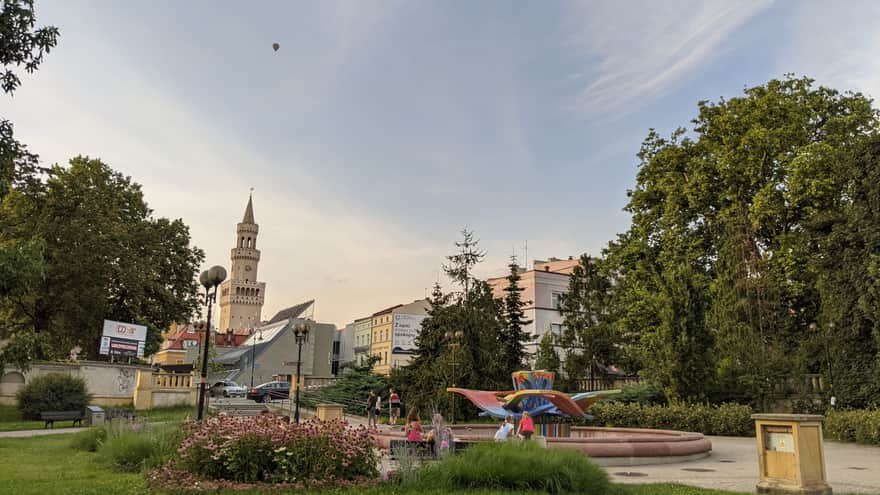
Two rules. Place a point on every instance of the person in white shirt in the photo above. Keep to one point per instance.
(378, 407)
(504, 430)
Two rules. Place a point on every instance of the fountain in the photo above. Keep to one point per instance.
(551, 410)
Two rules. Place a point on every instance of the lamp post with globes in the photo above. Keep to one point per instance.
(210, 279)
(254, 353)
(300, 332)
(454, 340)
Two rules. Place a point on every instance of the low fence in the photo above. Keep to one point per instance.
(161, 389)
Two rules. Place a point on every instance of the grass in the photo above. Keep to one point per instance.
(47, 464)
(10, 418)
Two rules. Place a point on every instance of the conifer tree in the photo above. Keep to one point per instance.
(513, 337)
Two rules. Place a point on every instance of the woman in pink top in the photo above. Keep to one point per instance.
(526, 426)
(413, 426)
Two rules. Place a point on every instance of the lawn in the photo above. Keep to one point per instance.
(47, 464)
(10, 419)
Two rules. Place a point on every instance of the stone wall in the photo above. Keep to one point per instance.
(111, 384)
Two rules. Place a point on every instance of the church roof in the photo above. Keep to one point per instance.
(295, 311)
(249, 211)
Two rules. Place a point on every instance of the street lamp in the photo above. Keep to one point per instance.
(454, 339)
(210, 278)
(300, 332)
(254, 354)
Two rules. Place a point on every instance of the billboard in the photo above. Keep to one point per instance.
(123, 339)
(405, 329)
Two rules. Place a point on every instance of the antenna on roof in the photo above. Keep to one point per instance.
(527, 256)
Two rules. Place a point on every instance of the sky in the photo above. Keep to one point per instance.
(380, 129)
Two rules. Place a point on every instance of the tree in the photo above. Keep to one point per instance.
(735, 225)
(513, 337)
(106, 257)
(547, 358)
(459, 341)
(588, 337)
(20, 45)
(460, 265)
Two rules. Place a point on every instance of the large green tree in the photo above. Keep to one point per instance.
(460, 340)
(588, 336)
(106, 257)
(740, 226)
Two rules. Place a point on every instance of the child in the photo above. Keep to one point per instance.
(505, 429)
(413, 426)
(526, 426)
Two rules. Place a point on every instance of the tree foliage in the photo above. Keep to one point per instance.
(462, 341)
(747, 228)
(588, 336)
(513, 336)
(106, 257)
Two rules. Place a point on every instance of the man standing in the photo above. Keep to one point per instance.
(393, 407)
(371, 408)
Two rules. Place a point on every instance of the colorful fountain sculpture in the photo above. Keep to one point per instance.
(533, 393)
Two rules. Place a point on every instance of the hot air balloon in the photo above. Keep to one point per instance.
(275, 46)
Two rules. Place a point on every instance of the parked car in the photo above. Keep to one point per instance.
(226, 388)
(269, 391)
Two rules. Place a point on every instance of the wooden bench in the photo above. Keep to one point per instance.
(50, 417)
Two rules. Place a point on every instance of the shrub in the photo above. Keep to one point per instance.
(862, 426)
(52, 392)
(645, 394)
(726, 419)
(519, 466)
(89, 440)
(132, 447)
(268, 448)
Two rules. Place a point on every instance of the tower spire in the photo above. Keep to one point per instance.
(249, 211)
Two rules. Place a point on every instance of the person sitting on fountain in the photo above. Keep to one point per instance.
(526, 426)
(505, 429)
(413, 426)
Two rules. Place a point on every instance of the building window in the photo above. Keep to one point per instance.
(556, 299)
(386, 357)
(556, 329)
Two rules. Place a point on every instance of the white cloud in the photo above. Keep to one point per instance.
(835, 43)
(637, 51)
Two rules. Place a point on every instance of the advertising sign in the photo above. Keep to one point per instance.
(123, 339)
(405, 329)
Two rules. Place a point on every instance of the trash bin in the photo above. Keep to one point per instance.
(95, 416)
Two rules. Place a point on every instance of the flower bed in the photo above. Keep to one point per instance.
(267, 452)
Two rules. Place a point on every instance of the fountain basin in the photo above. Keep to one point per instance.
(605, 446)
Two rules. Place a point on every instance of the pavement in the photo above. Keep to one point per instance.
(38, 433)
(733, 465)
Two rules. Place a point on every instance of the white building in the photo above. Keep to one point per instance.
(543, 287)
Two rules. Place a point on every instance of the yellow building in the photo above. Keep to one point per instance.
(380, 346)
(175, 341)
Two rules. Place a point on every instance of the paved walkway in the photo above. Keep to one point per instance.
(733, 465)
(38, 433)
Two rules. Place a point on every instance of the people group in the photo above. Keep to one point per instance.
(413, 426)
(374, 407)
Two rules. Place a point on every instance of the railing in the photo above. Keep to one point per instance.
(171, 380)
(605, 382)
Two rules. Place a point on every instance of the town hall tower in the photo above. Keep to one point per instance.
(241, 296)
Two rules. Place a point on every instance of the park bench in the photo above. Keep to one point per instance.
(50, 417)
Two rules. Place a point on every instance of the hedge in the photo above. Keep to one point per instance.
(862, 426)
(726, 419)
